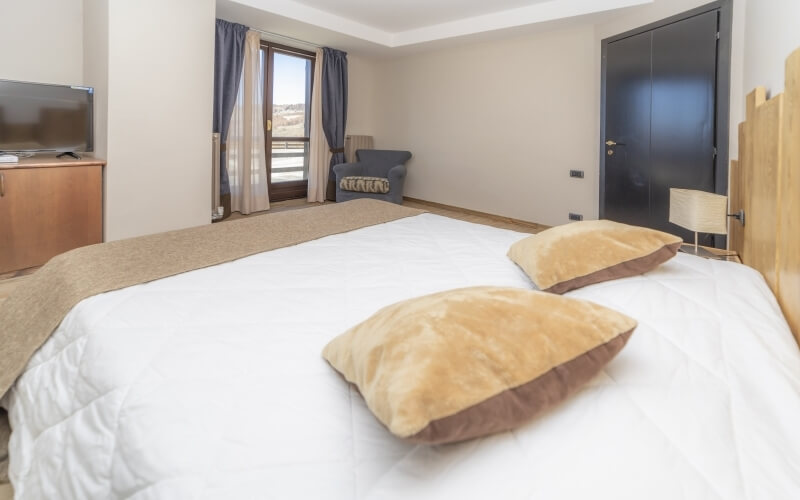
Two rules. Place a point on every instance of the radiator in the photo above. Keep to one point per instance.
(353, 143)
(214, 173)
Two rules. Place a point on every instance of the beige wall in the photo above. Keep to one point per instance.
(493, 126)
(497, 126)
(42, 41)
(361, 95)
(157, 69)
(771, 34)
(95, 53)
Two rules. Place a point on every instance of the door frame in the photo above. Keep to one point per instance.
(288, 190)
(723, 93)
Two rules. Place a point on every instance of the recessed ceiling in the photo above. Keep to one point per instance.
(402, 23)
(403, 15)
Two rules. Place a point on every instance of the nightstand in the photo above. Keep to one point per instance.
(712, 253)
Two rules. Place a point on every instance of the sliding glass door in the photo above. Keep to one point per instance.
(289, 74)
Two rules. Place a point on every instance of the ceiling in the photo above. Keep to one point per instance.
(402, 15)
(384, 26)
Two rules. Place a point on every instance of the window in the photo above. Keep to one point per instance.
(289, 74)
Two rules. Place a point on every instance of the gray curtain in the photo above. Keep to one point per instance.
(334, 109)
(228, 63)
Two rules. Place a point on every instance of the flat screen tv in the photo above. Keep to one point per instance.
(36, 117)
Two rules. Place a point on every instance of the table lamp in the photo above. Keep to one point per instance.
(700, 212)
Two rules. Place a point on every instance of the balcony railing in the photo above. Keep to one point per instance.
(289, 159)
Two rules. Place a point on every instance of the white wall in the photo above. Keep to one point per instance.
(497, 126)
(158, 61)
(361, 96)
(533, 100)
(771, 34)
(95, 53)
(42, 41)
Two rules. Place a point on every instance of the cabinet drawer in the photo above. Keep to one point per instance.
(47, 211)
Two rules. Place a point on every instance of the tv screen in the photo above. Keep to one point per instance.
(36, 117)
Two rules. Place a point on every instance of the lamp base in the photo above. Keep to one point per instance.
(701, 252)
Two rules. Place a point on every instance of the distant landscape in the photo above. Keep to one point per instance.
(288, 120)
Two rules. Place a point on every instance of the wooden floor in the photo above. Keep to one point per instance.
(281, 206)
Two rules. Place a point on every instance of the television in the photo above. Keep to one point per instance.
(37, 117)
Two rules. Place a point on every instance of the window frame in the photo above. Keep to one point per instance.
(289, 190)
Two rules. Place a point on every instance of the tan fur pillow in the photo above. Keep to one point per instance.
(575, 255)
(465, 363)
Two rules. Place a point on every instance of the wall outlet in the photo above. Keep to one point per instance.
(575, 216)
(576, 173)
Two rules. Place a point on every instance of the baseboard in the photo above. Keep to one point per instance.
(499, 218)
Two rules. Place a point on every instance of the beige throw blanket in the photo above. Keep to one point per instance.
(36, 308)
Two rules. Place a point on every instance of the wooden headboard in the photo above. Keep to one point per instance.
(765, 183)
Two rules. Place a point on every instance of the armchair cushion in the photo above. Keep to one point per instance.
(365, 184)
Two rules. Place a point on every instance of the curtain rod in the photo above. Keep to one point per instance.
(269, 33)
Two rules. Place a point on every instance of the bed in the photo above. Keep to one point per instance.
(209, 382)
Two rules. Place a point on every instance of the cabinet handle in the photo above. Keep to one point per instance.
(2, 184)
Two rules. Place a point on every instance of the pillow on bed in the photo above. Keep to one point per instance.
(575, 255)
(465, 363)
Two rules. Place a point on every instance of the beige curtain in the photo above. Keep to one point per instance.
(319, 153)
(246, 155)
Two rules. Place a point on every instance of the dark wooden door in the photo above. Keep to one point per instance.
(660, 89)
(628, 105)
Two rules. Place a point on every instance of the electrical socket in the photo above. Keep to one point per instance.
(577, 217)
(576, 173)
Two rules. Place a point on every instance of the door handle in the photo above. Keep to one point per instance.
(611, 143)
(2, 184)
(269, 125)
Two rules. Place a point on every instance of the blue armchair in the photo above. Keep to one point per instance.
(378, 174)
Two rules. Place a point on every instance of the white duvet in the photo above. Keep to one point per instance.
(211, 385)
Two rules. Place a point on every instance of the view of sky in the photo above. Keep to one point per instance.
(289, 85)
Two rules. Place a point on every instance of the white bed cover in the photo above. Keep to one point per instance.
(211, 385)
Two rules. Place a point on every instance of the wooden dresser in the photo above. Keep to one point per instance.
(48, 206)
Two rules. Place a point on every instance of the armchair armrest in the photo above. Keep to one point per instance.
(397, 174)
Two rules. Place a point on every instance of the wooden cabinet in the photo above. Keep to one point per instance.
(48, 207)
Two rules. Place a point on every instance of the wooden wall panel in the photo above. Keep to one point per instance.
(765, 182)
(789, 199)
(736, 197)
(765, 140)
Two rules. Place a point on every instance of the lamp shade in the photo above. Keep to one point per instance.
(698, 211)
